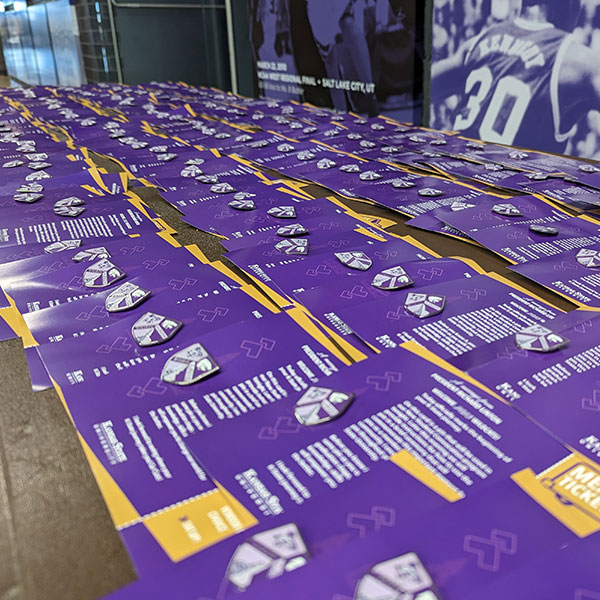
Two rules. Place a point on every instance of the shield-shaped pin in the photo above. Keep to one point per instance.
(38, 166)
(152, 329)
(354, 136)
(369, 176)
(222, 136)
(11, 164)
(191, 171)
(195, 161)
(259, 143)
(208, 179)
(460, 205)
(270, 553)
(589, 258)
(292, 230)
(37, 176)
(438, 142)
(403, 184)
(537, 176)
(538, 338)
(282, 212)
(126, 296)
(305, 155)
(367, 144)
(377, 127)
(69, 211)
(418, 139)
(309, 130)
(390, 149)
(242, 204)
(475, 146)
(395, 278)
(493, 167)
(30, 188)
(588, 169)
(321, 405)
(350, 168)
(158, 149)
(424, 305)
(90, 254)
(166, 156)
(222, 188)
(138, 145)
(27, 198)
(188, 366)
(243, 195)
(70, 201)
(61, 246)
(87, 122)
(506, 210)
(518, 155)
(36, 156)
(285, 148)
(326, 163)
(396, 579)
(543, 229)
(242, 139)
(293, 247)
(102, 274)
(355, 260)
(430, 192)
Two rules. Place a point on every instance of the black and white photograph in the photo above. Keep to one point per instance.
(521, 72)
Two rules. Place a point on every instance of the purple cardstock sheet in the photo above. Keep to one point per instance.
(490, 535)
(558, 389)
(518, 244)
(321, 479)
(118, 222)
(261, 220)
(6, 332)
(566, 573)
(89, 313)
(448, 318)
(400, 402)
(329, 520)
(130, 258)
(484, 216)
(218, 216)
(337, 234)
(114, 348)
(487, 174)
(573, 274)
(429, 222)
(311, 271)
(351, 291)
(40, 378)
(167, 414)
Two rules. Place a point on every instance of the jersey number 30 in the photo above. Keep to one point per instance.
(505, 110)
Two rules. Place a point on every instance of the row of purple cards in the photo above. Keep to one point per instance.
(365, 419)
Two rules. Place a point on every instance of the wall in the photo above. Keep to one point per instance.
(40, 43)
